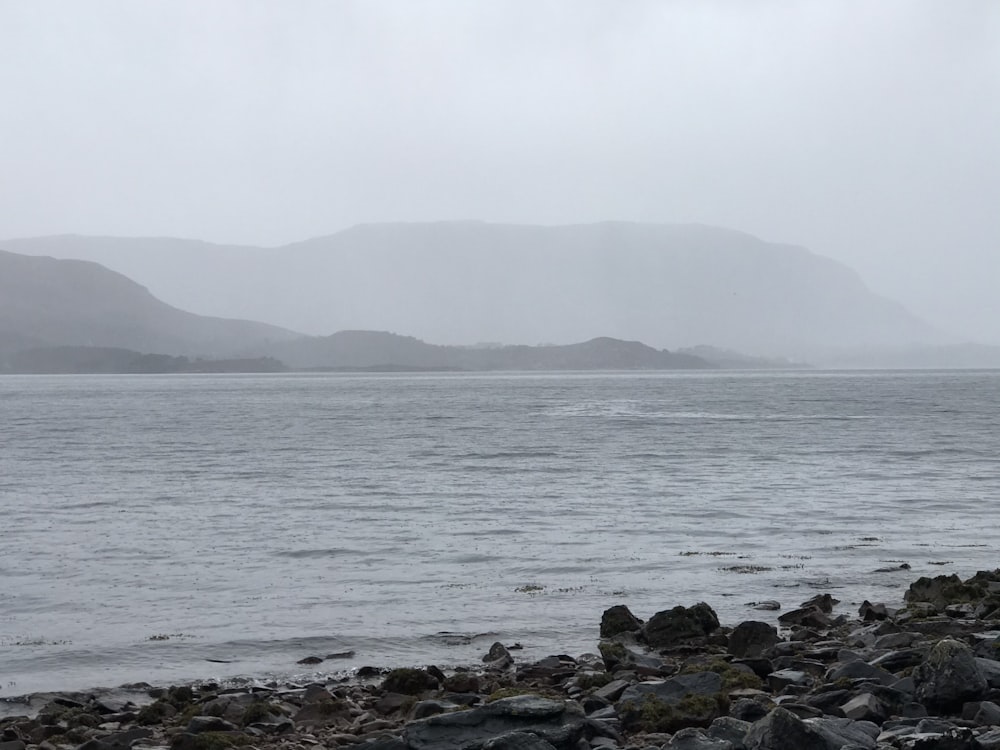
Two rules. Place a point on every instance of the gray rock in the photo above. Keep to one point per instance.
(782, 730)
(864, 706)
(12, 745)
(613, 690)
(859, 670)
(558, 723)
(423, 709)
(682, 701)
(731, 729)
(987, 715)
(779, 680)
(696, 739)
(517, 741)
(752, 638)
(679, 625)
(949, 677)
(991, 671)
(989, 740)
(199, 724)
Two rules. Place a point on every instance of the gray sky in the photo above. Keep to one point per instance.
(866, 131)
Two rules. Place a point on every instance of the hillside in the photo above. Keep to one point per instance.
(376, 349)
(46, 302)
(671, 286)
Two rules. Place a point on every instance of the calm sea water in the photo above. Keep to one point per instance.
(256, 520)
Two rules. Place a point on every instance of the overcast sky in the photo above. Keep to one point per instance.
(866, 131)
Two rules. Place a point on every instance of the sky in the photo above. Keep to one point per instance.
(866, 131)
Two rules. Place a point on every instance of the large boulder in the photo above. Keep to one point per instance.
(618, 619)
(783, 730)
(673, 627)
(949, 677)
(556, 722)
(752, 638)
(668, 705)
(940, 591)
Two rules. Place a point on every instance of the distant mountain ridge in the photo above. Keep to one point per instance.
(45, 302)
(671, 286)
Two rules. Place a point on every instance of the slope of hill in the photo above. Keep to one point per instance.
(456, 282)
(377, 349)
(48, 302)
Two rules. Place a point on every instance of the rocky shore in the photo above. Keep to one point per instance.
(923, 676)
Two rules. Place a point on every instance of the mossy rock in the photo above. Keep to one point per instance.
(155, 713)
(734, 677)
(656, 715)
(940, 591)
(256, 712)
(619, 619)
(409, 681)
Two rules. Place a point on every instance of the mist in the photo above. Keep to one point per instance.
(863, 131)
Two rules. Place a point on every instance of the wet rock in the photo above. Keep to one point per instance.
(618, 619)
(556, 722)
(871, 612)
(730, 729)
(680, 625)
(310, 660)
(783, 730)
(696, 739)
(518, 741)
(823, 602)
(462, 682)
(668, 705)
(949, 677)
(409, 681)
(811, 617)
(859, 670)
(199, 724)
(752, 638)
(940, 591)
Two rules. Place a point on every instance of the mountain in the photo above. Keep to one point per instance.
(46, 302)
(671, 286)
(348, 350)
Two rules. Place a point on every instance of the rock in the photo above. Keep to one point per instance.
(782, 678)
(940, 591)
(409, 681)
(462, 682)
(423, 709)
(860, 670)
(310, 660)
(390, 703)
(752, 638)
(871, 612)
(696, 739)
(811, 617)
(680, 625)
(749, 710)
(770, 605)
(823, 602)
(988, 714)
(989, 740)
(498, 658)
(199, 724)
(517, 741)
(612, 691)
(117, 740)
(668, 705)
(949, 677)
(558, 723)
(866, 707)
(618, 619)
(990, 669)
(783, 730)
(12, 745)
(730, 729)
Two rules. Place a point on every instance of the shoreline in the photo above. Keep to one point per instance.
(885, 678)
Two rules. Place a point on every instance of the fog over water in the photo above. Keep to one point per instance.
(863, 131)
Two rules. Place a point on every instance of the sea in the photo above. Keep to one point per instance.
(181, 528)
